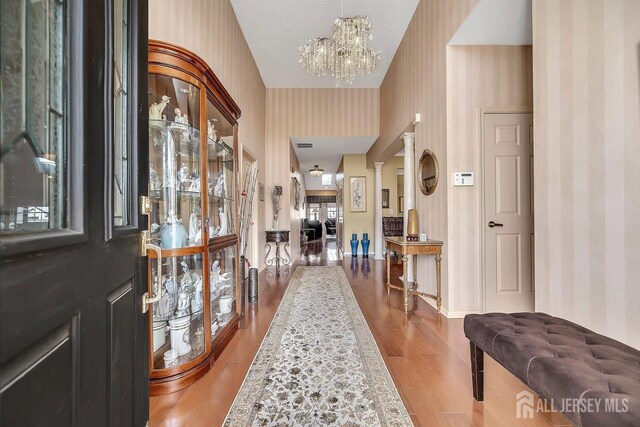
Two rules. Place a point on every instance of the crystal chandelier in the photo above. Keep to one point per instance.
(345, 55)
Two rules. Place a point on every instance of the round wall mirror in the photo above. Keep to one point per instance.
(428, 172)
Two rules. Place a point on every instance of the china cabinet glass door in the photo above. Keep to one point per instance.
(221, 183)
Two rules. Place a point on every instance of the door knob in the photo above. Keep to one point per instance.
(494, 224)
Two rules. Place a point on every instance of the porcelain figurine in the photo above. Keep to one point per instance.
(196, 301)
(211, 130)
(156, 109)
(12, 225)
(218, 188)
(154, 180)
(210, 186)
(183, 174)
(170, 284)
(183, 304)
(213, 231)
(172, 234)
(224, 229)
(180, 336)
(195, 236)
(187, 284)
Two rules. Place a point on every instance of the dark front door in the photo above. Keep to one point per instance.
(73, 336)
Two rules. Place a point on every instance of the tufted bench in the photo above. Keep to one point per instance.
(560, 360)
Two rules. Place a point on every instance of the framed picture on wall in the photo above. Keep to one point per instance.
(401, 204)
(385, 198)
(296, 194)
(358, 194)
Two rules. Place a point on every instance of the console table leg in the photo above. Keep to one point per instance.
(404, 280)
(438, 294)
(388, 272)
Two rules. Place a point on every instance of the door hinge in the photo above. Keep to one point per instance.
(145, 205)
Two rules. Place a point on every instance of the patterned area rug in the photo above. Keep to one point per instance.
(318, 365)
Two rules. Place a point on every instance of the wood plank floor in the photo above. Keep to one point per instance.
(426, 353)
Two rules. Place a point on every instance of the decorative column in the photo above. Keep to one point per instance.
(378, 212)
(409, 139)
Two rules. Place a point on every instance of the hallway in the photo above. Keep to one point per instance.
(427, 355)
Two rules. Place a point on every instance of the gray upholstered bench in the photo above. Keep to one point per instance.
(560, 360)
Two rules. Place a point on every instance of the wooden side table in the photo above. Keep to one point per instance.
(278, 237)
(406, 248)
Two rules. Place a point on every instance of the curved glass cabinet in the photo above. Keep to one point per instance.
(192, 217)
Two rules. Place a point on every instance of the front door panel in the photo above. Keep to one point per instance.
(73, 337)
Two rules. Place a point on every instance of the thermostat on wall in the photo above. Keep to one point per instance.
(462, 178)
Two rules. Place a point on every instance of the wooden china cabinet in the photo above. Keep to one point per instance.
(193, 223)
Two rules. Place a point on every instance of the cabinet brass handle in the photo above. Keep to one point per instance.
(146, 300)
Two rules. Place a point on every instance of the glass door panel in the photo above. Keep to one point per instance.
(178, 317)
(221, 183)
(175, 162)
(222, 287)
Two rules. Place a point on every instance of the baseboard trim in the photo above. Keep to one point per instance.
(446, 313)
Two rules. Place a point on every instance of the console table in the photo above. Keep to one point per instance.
(278, 237)
(406, 248)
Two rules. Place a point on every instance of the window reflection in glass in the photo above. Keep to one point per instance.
(120, 93)
(32, 116)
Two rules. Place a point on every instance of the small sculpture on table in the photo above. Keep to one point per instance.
(211, 131)
(224, 227)
(218, 188)
(183, 174)
(156, 109)
(195, 235)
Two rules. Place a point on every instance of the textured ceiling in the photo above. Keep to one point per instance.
(326, 153)
(496, 22)
(274, 29)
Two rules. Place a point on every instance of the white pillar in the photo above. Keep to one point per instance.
(409, 189)
(378, 212)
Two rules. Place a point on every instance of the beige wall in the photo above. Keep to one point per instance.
(587, 151)
(416, 83)
(312, 113)
(214, 34)
(477, 77)
(390, 181)
(358, 222)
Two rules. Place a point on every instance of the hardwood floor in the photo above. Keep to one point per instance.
(427, 355)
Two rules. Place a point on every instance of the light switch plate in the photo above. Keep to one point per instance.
(462, 179)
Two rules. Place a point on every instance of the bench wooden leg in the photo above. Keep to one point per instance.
(477, 371)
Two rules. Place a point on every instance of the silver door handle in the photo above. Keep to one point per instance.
(494, 224)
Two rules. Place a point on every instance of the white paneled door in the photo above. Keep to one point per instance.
(508, 212)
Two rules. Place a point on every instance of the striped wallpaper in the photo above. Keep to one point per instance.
(488, 77)
(311, 113)
(210, 29)
(587, 155)
(416, 83)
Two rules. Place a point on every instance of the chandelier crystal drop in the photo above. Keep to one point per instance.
(345, 55)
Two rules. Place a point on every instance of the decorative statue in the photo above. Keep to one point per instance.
(172, 234)
(211, 130)
(187, 283)
(195, 236)
(183, 304)
(215, 274)
(196, 301)
(223, 223)
(156, 109)
(218, 188)
(170, 284)
(183, 174)
(210, 186)
(195, 182)
(178, 119)
(154, 179)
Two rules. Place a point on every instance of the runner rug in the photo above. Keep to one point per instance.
(318, 364)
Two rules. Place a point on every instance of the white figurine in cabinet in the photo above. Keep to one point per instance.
(218, 188)
(155, 183)
(211, 130)
(183, 173)
(196, 301)
(224, 228)
(156, 109)
(195, 236)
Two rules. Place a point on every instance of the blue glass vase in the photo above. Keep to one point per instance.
(354, 245)
(365, 245)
